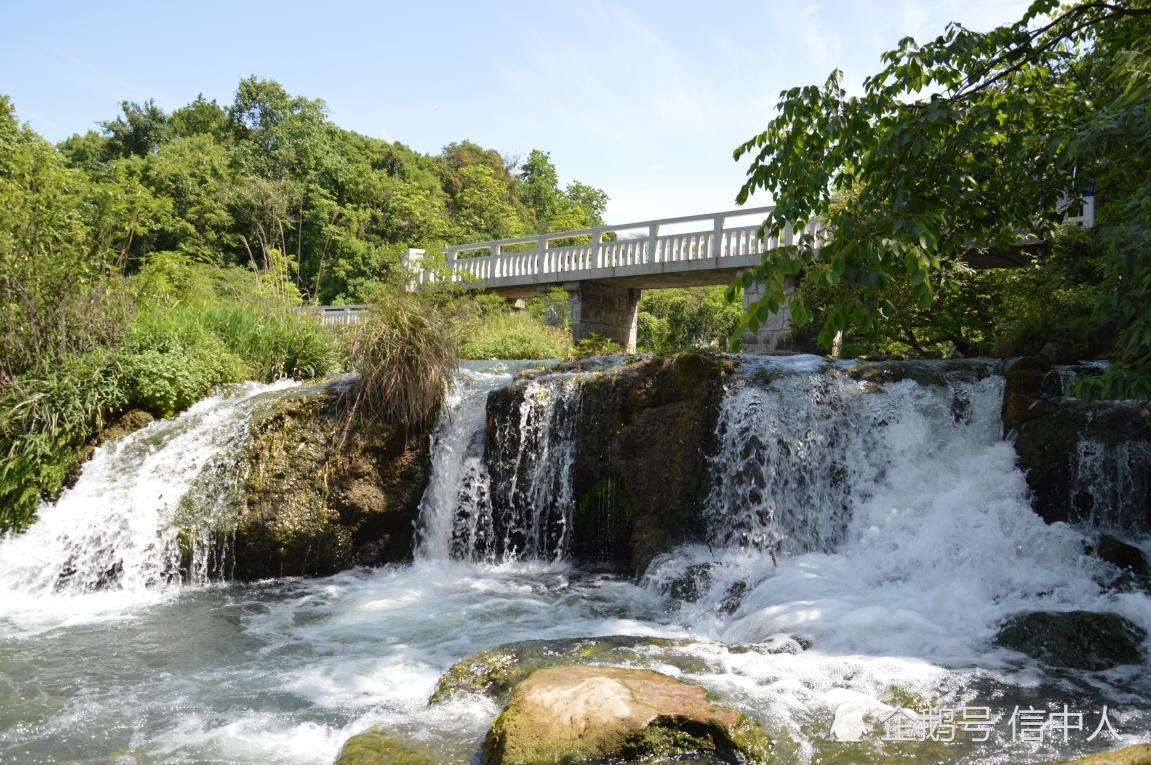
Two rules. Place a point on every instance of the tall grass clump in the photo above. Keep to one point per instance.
(45, 421)
(405, 351)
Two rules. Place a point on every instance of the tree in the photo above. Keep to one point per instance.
(139, 130)
(970, 141)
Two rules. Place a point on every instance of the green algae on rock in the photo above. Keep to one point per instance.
(1075, 639)
(318, 498)
(377, 747)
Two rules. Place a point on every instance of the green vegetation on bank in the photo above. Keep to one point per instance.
(968, 145)
(146, 263)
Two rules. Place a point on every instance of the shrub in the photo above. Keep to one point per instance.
(44, 423)
(517, 335)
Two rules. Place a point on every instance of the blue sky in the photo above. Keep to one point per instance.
(643, 99)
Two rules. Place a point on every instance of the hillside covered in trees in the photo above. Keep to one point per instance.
(270, 181)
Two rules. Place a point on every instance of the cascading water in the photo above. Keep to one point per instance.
(1108, 484)
(138, 501)
(503, 493)
(864, 542)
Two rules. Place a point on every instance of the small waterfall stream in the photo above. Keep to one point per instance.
(503, 493)
(149, 510)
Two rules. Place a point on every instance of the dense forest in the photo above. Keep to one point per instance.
(269, 181)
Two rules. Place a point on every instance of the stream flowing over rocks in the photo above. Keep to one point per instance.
(701, 557)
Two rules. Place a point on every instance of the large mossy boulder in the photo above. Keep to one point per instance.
(497, 670)
(1086, 463)
(378, 747)
(1074, 639)
(582, 713)
(320, 496)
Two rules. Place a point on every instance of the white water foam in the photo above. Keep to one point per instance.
(112, 541)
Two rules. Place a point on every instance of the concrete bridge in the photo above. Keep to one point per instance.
(605, 268)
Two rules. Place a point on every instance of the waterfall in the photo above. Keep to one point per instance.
(1111, 485)
(501, 480)
(149, 509)
(801, 442)
(455, 511)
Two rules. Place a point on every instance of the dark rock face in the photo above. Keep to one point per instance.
(1085, 463)
(1134, 570)
(318, 499)
(642, 434)
(645, 433)
(1074, 639)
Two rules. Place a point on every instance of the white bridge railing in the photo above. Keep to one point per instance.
(596, 252)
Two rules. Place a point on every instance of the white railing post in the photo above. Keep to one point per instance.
(652, 241)
(541, 255)
(450, 262)
(493, 262)
(596, 253)
(717, 238)
(414, 263)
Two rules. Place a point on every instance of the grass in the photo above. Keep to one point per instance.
(404, 350)
(513, 335)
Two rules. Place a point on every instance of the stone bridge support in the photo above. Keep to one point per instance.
(774, 334)
(605, 310)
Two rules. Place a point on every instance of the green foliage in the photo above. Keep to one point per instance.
(681, 319)
(44, 422)
(968, 141)
(145, 263)
(506, 334)
(595, 345)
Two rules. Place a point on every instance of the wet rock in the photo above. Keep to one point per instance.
(496, 671)
(1139, 754)
(377, 747)
(773, 645)
(1074, 639)
(1135, 571)
(318, 498)
(733, 597)
(582, 713)
(1086, 464)
(691, 585)
(127, 423)
(643, 433)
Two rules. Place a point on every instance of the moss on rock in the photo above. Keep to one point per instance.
(582, 713)
(319, 498)
(377, 747)
(1048, 429)
(1076, 639)
(496, 671)
(645, 432)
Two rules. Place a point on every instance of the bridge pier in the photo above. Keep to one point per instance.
(774, 334)
(605, 310)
